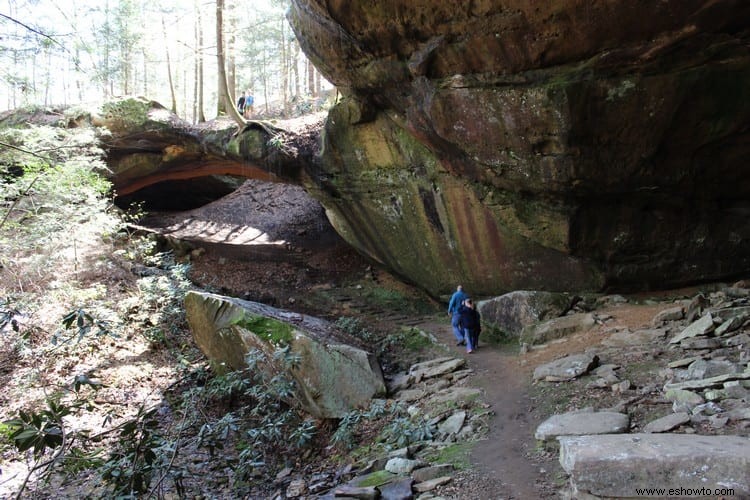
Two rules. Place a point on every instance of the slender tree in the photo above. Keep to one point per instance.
(201, 115)
(169, 66)
(223, 86)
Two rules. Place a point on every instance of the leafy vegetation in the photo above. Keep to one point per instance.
(69, 295)
(103, 387)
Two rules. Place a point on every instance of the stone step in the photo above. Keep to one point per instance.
(681, 465)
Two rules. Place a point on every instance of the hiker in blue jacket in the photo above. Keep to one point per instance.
(457, 299)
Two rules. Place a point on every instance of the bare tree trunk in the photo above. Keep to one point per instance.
(295, 68)
(201, 115)
(195, 69)
(33, 78)
(310, 78)
(264, 78)
(284, 69)
(145, 71)
(47, 74)
(222, 95)
(231, 63)
(223, 91)
(169, 66)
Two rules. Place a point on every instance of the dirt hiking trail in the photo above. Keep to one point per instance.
(504, 454)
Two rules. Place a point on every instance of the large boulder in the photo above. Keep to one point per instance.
(507, 144)
(332, 378)
(508, 314)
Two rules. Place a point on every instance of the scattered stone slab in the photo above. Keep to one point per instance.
(432, 472)
(731, 325)
(455, 394)
(405, 452)
(461, 374)
(621, 387)
(557, 328)
(397, 490)
(582, 423)
(680, 363)
(566, 368)
(727, 313)
(702, 369)
(638, 337)
(410, 395)
(399, 382)
(734, 390)
(683, 396)
(296, 488)
(617, 465)
(604, 370)
(667, 423)
(436, 368)
(700, 343)
(708, 382)
(431, 484)
(675, 313)
(702, 326)
(400, 465)
(739, 340)
(283, 474)
(739, 414)
(437, 384)
(452, 425)
(363, 493)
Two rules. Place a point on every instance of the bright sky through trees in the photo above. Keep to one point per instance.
(70, 51)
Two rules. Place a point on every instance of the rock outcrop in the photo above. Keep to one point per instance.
(662, 465)
(331, 377)
(513, 145)
(155, 153)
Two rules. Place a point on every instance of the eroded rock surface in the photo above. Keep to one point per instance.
(557, 146)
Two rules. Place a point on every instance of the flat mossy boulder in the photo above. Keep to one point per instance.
(331, 378)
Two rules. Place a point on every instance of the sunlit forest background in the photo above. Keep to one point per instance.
(70, 51)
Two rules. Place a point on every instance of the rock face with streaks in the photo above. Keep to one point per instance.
(561, 145)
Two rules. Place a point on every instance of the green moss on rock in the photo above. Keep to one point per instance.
(271, 330)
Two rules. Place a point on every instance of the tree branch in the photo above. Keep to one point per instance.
(45, 35)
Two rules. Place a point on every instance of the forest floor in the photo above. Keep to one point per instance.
(268, 243)
(507, 463)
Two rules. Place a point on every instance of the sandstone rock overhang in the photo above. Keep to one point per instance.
(148, 145)
(525, 145)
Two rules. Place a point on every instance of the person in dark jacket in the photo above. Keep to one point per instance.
(470, 323)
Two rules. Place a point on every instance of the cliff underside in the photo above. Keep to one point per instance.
(509, 145)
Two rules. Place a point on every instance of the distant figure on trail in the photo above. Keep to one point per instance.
(249, 101)
(457, 299)
(241, 104)
(470, 323)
